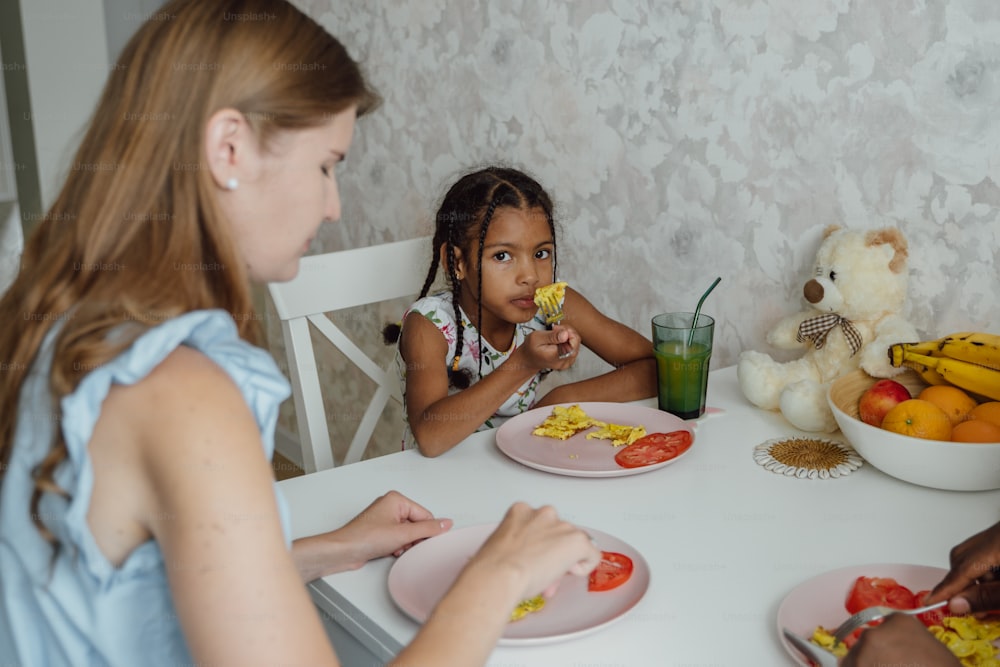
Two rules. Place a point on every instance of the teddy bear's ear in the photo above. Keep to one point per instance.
(830, 230)
(894, 238)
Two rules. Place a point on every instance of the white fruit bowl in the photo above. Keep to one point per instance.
(953, 466)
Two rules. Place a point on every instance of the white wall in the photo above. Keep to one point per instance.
(122, 18)
(69, 47)
(11, 242)
(66, 55)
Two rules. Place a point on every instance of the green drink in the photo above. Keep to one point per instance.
(682, 362)
(682, 374)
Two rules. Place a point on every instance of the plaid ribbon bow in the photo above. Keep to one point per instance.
(816, 329)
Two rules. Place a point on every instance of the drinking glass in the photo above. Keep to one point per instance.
(683, 349)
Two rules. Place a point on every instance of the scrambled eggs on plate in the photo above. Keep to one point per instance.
(968, 638)
(565, 422)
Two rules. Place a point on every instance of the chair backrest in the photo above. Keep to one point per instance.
(328, 283)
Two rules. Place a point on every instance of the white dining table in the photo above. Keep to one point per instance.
(725, 539)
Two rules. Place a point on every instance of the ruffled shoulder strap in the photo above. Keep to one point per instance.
(211, 332)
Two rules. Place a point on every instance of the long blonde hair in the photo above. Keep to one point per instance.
(135, 235)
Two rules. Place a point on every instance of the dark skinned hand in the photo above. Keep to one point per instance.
(899, 640)
(971, 584)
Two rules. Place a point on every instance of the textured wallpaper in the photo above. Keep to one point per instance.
(688, 139)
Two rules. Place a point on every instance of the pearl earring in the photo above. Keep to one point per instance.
(232, 183)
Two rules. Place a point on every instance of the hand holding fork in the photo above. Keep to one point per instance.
(551, 307)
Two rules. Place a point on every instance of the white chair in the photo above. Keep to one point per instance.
(325, 284)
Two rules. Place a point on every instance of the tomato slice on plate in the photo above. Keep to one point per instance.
(654, 448)
(879, 591)
(852, 639)
(613, 571)
(932, 617)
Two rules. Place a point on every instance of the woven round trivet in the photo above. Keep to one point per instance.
(807, 458)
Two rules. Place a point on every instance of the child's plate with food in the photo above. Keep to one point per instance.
(815, 608)
(595, 439)
(581, 605)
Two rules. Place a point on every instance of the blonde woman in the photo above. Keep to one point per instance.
(139, 524)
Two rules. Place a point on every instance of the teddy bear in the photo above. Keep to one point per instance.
(854, 312)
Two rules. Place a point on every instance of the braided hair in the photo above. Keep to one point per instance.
(468, 207)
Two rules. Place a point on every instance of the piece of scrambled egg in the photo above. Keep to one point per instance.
(618, 434)
(968, 638)
(552, 294)
(565, 422)
(526, 607)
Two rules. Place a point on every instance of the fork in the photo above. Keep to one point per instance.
(552, 311)
(866, 616)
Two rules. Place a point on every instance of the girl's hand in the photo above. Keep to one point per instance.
(971, 584)
(390, 525)
(539, 548)
(541, 348)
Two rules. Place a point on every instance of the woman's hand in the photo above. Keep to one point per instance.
(390, 525)
(970, 585)
(529, 552)
(899, 640)
(539, 547)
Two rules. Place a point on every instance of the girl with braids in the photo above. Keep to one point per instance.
(139, 522)
(474, 355)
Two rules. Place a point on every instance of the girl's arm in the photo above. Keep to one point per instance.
(631, 354)
(439, 421)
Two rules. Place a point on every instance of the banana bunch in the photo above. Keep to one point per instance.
(970, 361)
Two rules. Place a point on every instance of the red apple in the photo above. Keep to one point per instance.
(881, 397)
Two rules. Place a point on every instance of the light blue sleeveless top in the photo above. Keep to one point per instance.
(80, 610)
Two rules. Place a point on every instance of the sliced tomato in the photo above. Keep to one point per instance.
(613, 571)
(654, 448)
(852, 639)
(932, 617)
(879, 591)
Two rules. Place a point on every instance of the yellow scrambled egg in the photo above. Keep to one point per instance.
(552, 294)
(968, 638)
(526, 607)
(825, 639)
(618, 434)
(565, 422)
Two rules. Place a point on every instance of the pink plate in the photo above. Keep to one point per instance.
(820, 600)
(577, 456)
(422, 575)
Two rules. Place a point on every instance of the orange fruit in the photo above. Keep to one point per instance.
(918, 418)
(988, 411)
(955, 402)
(976, 430)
